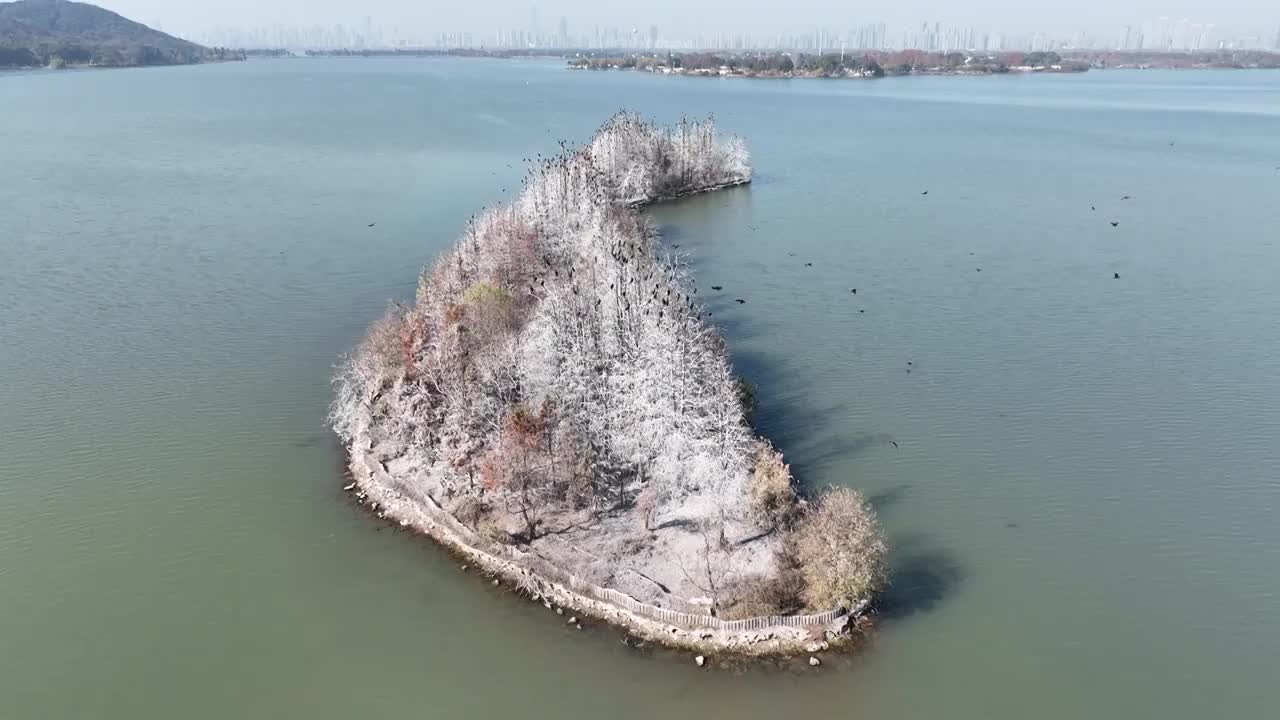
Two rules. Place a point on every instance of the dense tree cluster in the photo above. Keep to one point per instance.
(556, 369)
(557, 355)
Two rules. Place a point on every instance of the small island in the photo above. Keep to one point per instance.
(59, 34)
(556, 409)
(862, 64)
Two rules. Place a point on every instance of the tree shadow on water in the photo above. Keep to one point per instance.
(921, 577)
(887, 498)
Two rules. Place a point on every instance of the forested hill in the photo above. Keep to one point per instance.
(36, 33)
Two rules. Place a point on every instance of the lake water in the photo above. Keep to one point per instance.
(1082, 500)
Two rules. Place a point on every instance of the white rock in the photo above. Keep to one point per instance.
(573, 620)
(700, 660)
(814, 662)
(559, 611)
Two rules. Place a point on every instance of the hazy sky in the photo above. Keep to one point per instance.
(694, 16)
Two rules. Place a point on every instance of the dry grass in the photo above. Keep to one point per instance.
(772, 490)
(840, 550)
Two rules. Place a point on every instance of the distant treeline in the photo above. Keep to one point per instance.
(1228, 59)
(861, 64)
(122, 55)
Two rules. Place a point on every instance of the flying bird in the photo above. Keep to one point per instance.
(1115, 223)
(372, 224)
(854, 290)
(893, 443)
(1127, 197)
(717, 288)
(740, 301)
(926, 192)
(808, 264)
(1116, 276)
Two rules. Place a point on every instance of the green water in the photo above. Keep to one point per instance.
(1082, 498)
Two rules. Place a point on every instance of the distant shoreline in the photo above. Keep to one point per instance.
(850, 63)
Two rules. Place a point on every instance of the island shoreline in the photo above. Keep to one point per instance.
(376, 490)
(664, 541)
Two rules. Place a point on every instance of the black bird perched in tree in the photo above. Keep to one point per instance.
(740, 301)
(1115, 223)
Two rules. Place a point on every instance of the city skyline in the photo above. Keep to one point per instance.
(710, 24)
(1161, 34)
